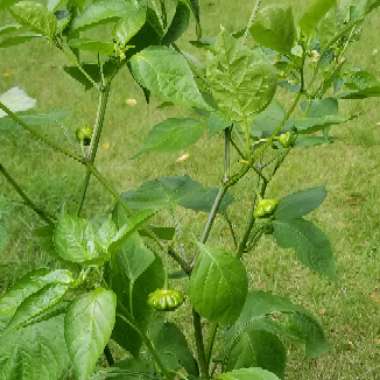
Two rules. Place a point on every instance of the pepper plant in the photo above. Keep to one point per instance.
(264, 90)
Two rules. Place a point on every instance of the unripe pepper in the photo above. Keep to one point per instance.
(165, 299)
(287, 139)
(84, 135)
(265, 208)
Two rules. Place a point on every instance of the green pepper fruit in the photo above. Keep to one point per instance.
(165, 299)
(287, 139)
(84, 135)
(265, 208)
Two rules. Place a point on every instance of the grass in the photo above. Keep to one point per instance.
(348, 308)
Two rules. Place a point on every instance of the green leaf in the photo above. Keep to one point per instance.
(36, 17)
(172, 135)
(256, 348)
(166, 192)
(277, 315)
(311, 245)
(179, 23)
(218, 285)
(274, 28)
(268, 121)
(132, 23)
(26, 287)
(361, 85)
(301, 203)
(18, 40)
(37, 352)
(248, 374)
(172, 346)
(5, 29)
(88, 326)
(99, 12)
(216, 123)
(167, 75)
(80, 241)
(163, 233)
(101, 47)
(242, 82)
(6, 3)
(314, 14)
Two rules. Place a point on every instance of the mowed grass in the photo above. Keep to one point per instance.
(348, 308)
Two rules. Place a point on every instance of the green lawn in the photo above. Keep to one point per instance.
(348, 308)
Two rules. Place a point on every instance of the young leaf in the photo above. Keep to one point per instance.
(257, 313)
(259, 348)
(167, 75)
(248, 374)
(274, 28)
(36, 17)
(99, 12)
(313, 15)
(101, 47)
(218, 285)
(88, 326)
(172, 135)
(311, 245)
(179, 23)
(300, 204)
(36, 352)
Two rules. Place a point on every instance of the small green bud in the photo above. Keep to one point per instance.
(84, 135)
(287, 139)
(265, 208)
(166, 299)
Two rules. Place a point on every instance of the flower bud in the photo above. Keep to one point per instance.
(265, 208)
(166, 299)
(84, 135)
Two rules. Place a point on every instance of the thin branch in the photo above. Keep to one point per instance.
(231, 228)
(203, 367)
(251, 19)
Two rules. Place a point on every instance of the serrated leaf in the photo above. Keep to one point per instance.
(311, 245)
(166, 192)
(300, 203)
(218, 285)
(274, 28)
(179, 23)
(172, 135)
(167, 75)
(36, 17)
(313, 15)
(37, 352)
(89, 322)
(248, 374)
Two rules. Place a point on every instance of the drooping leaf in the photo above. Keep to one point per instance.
(277, 315)
(172, 135)
(311, 245)
(218, 285)
(36, 17)
(253, 373)
(36, 352)
(166, 192)
(313, 15)
(89, 322)
(256, 348)
(274, 28)
(300, 203)
(173, 349)
(241, 81)
(179, 23)
(17, 100)
(167, 75)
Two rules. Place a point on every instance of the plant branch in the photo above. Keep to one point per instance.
(42, 214)
(202, 361)
(231, 228)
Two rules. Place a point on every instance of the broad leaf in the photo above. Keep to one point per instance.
(88, 326)
(268, 121)
(167, 192)
(101, 47)
(36, 17)
(274, 28)
(179, 22)
(16, 100)
(218, 285)
(37, 352)
(241, 81)
(313, 15)
(216, 123)
(167, 75)
(256, 348)
(278, 315)
(301, 203)
(311, 245)
(172, 135)
(361, 85)
(248, 374)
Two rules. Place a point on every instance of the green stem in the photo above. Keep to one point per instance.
(231, 228)
(98, 127)
(199, 342)
(108, 355)
(42, 214)
(211, 342)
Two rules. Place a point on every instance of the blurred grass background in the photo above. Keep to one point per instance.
(349, 308)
